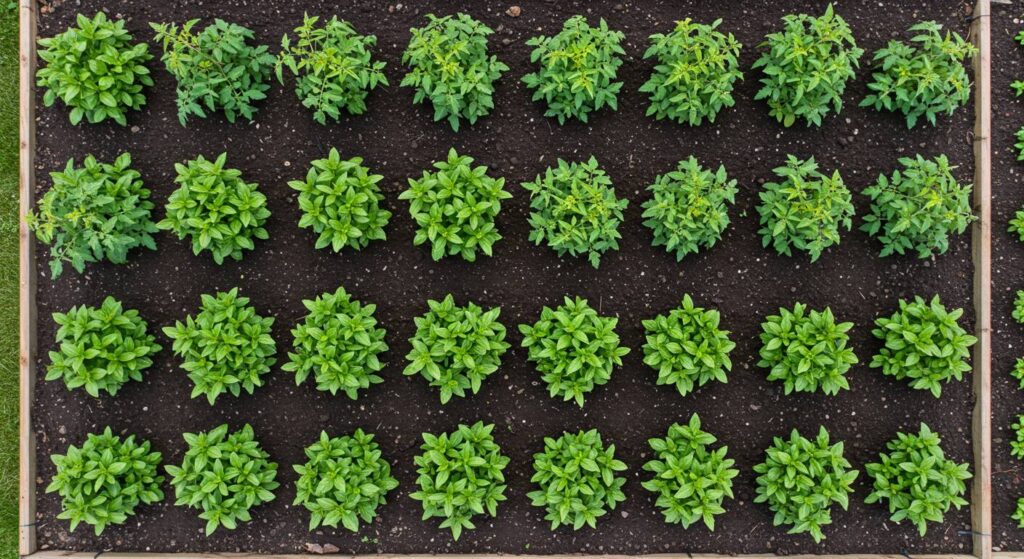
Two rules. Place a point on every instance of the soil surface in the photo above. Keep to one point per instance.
(397, 139)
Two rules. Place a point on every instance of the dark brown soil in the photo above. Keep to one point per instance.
(1007, 271)
(398, 140)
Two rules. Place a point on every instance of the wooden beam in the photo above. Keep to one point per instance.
(111, 555)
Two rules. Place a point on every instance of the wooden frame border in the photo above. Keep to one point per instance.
(981, 505)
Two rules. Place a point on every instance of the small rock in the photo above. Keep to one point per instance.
(514, 11)
(625, 514)
(135, 129)
(331, 548)
(315, 548)
(619, 7)
(506, 41)
(754, 407)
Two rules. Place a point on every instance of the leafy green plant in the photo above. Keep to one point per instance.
(923, 78)
(697, 66)
(575, 210)
(687, 348)
(1018, 372)
(1017, 224)
(216, 208)
(455, 208)
(807, 351)
(103, 482)
(343, 481)
(1018, 513)
(577, 69)
(573, 348)
(227, 347)
(460, 476)
(918, 481)
(96, 212)
(801, 479)
(216, 69)
(923, 344)
(456, 347)
(1020, 141)
(225, 475)
(576, 476)
(101, 349)
(333, 67)
(1017, 446)
(340, 201)
(689, 207)
(95, 69)
(918, 207)
(690, 480)
(806, 210)
(450, 67)
(1018, 307)
(807, 66)
(339, 343)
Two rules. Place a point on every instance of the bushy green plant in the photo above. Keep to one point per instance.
(1020, 143)
(95, 69)
(96, 212)
(573, 348)
(690, 480)
(225, 475)
(216, 208)
(1017, 446)
(343, 481)
(339, 343)
(227, 347)
(807, 351)
(333, 67)
(1017, 224)
(217, 69)
(924, 344)
(689, 207)
(1018, 513)
(1018, 372)
(340, 201)
(924, 77)
(460, 476)
(575, 210)
(101, 349)
(450, 67)
(101, 483)
(918, 208)
(576, 474)
(455, 208)
(806, 210)
(918, 481)
(456, 347)
(577, 69)
(693, 79)
(687, 348)
(1018, 307)
(807, 66)
(801, 479)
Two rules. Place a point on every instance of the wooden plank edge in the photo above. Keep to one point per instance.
(26, 279)
(981, 244)
(113, 555)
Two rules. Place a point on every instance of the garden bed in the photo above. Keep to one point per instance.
(398, 140)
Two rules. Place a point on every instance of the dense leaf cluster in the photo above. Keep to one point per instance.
(460, 476)
(227, 347)
(696, 68)
(1017, 446)
(343, 481)
(578, 69)
(455, 208)
(101, 349)
(1018, 372)
(103, 482)
(918, 481)
(1018, 307)
(225, 475)
(573, 348)
(95, 69)
(340, 200)
(450, 68)
(333, 67)
(807, 351)
(801, 479)
(918, 208)
(689, 207)
(577, 479)
(1017, 224)
(339, 343)
(691, 480)
(217, 69)
(96, 212)
(216, 208)
(687, 348)
(456, 347)
(575, 210)
(924, 345)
